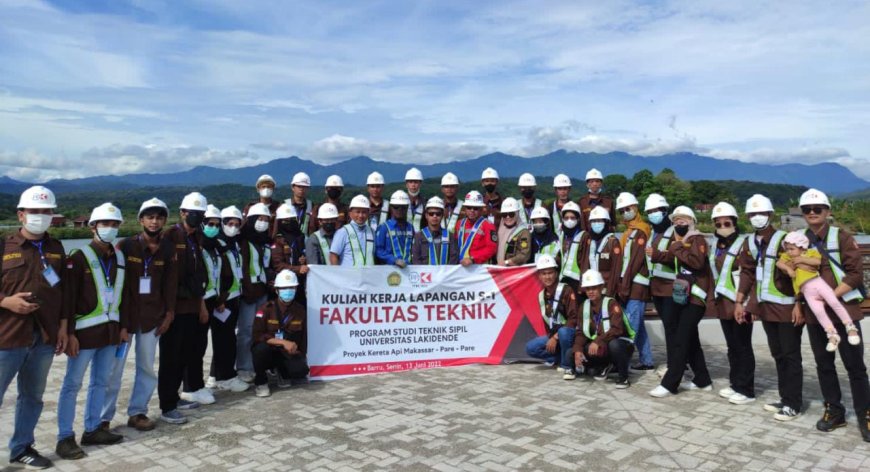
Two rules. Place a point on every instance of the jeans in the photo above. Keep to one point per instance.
(31, 365)
(144, 382)
(267, 357)
(101, 361)
(635, 309)
(244, 334)
(537, 348)
(741, 357)
(686, 349)
(784, 340)
(853, 360)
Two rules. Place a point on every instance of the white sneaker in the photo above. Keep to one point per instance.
(853, 337)
(661, 371)
(660, 392)
(211, 383)
(246, 376)
(568, 374)
(740, 399)
(692, 386)
(727, 392)
(234, 384)
(203, 396)
(262, 391)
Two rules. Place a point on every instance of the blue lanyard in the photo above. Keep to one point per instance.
(467, 240)
(404, 250)
(38, 247)
(107, 271)
(193, 246)
(596, 318)
(433, 259)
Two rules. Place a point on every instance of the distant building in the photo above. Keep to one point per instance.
(58, 221)
(80, 222)
(704, 207)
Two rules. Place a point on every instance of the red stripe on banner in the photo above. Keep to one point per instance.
(398, 366)
(520, 287)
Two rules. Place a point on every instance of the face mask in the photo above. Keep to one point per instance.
(413, 194)
(656, 217)
(540, 227)
(594, 192)
(629, 215)
(725, 232)
(489, 188)
(682, 230)
(570, 224)
(528, 193)
(231, 231)
(333, 193)
(759, 221)
(107, 234)
(210, 231)
(261, 226)
(598, 227)
(286, 294)
(328, 228)
(266, 192)
(37, 224)
(194, 219)
(290, 226)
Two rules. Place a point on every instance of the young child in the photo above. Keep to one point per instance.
(802, 264)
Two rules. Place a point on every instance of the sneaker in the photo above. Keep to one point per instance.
(660, 392)
(141, 422)
(31, 459)
(740, 399)
(830, 420)
(727, 392)
(640, 366)
(246, 376)
(101, 437)
(549, 364)
(202, 396)
(622, 382)
(186, 404)
(68, 449)
(602, 374)
(568, 374)
(284, 383)
(773, 407)
(833, 342)
(234, 384)
(173, 417)
(693, 386)
(211, 383)
(262, 391)
(853, 337)
(787, 413)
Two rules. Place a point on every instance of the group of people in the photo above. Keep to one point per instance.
(240, 275)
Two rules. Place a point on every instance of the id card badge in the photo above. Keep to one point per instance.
(238, 272)
(279, 335)
(110, 295)
(144, 285)
(50, 276)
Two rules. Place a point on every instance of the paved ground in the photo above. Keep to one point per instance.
(517, 417)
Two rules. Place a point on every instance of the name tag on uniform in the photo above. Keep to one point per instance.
(144, 285)
(279, 335)
(491, 218)
(50, 276)
(605, 255)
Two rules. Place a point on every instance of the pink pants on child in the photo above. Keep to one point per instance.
(817, 292)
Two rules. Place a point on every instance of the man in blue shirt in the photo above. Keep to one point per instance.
(395, 236)
(354, 244)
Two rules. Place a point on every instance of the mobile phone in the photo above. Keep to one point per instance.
(34, 299)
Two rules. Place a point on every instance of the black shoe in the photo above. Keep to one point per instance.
(640, 366)
(864, 426)
(774, 407)
(69, 450)
(101, 436)
(623, 382)
(32, 460)
(831, 420)
(602, 375)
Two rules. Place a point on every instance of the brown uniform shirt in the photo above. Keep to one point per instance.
(722, 307)
(588, 202)
(609, 263)
(276, 316)
(190, 269)
(492, 206)
(691, 255)
(617, 326)
(21, 271)
(767, 311)
(343, 218)
(147, 311)
(627, 288)
(660, 287)
(285, 254)
(519, 248)
(850, 259)
(567, 306)
(251, 291)
(420, 248)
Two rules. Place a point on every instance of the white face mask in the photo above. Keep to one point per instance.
(413, 194)
(759, 221)
(266, 192)
(231, 231)
(261, 226)
(629, 215)
(107, 234)
(37, 224)
(570, 224)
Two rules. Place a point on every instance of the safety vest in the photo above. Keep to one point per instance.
(551, 249)
(765, 288)
(556, 316)
(695, 290)
(400, 251)
(638, 278)
(557, 218)
(465, 240)
(597, 247)
(258, 270)
(570, 266)
(323, 244)
(106, 310)
(525, 215)
(442, 257)
(658, 269)
(235, 262)
(415, 213)
(213, 268)
(726, 282)
(361, 257)
(449, 223)
(304, 220)
(381, 216)
(832, 244)
(605, 319)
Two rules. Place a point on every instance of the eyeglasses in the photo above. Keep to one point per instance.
(433, 213)
(726, 224)
(213, 225)
(474, 208)
(816, 210)
(509, 215)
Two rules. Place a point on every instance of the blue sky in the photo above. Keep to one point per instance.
(112, 87)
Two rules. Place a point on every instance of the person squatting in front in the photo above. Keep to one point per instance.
(558, 304)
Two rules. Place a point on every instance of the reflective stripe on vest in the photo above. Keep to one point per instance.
(382, 216)
(399, 251)
(695, 290)
(105, 311)
(658, 269)
(415, 214)
(257, 270)
(596, 247)
(570, 266)
(449, 223)
(361, 258)
(234, 260)
(444, 249)
(323, 244)
(465, 241)
(605, 320)
(551, 249)
(725, 283)
(638, 278)
(556, 317)
(557, 219)
(525, 215)
(766, 290)
(213, 269)
(832, 244)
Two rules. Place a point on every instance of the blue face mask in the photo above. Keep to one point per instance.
(210, 231)
(656, 217)
(286, 294)
(598, 227)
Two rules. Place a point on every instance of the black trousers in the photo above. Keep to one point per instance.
(666, 309)
(176, 351)
(741, 357)
(853, 360)
(784, 340)
(223, 343)
(686, 349)
(619, 353)
(274, 357)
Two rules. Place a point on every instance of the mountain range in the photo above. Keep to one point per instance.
(829, 177)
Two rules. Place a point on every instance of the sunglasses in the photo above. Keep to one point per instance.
(434, 213)
(726, 224)
(509, 215)
(213, 225)
(816, 210)
(474, 208)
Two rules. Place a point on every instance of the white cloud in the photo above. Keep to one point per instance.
(336, 148)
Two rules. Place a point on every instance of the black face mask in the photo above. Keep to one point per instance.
(489, 188)
(333, 193)
(194, 218)
(682, 230)
(328, 228)
(153, 234)
(290, 226)
(528, 193)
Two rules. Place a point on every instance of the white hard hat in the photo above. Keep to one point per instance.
(301, 179)
(591, 278)
(194, 201)
(212, 211)
(265, 178)
(814, 197)
(231, 212)
(545, 261)
(153, 203)
(594, 174)
(327, 211)
(489, 173)
(473, 199)
(413, 174)
(105, 212)
(509, 205)
(599, 213)
(286, 279)
(571, 206)
(561, 180)
(683, 210)
(334, 181)
(37, 197)
(653, 201)
(449, 179)
(625, 199)
(723, 209)
(435, 202)
(400, 198)
(539, 212)
(284, 212)
(259, 209)
(360, 201)
(375, 178)
(758, 204)
(527, 180)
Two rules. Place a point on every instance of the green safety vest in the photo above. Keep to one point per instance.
(304, 223)
(323, 244)
(213, 268)
(726, 282)
(258, 271)
(570, 267)
(382, 216)
(415, 215)
(595, 250)
(106, 310)
(695, 289)
(524, 218)
(658, 269)
(639, 278)
(832, 244)
(551, 249)
(234, 260)
(557, 218)
(765, 288)
(605, 319)
(360, 258)
(449, 223)
(556, 316)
